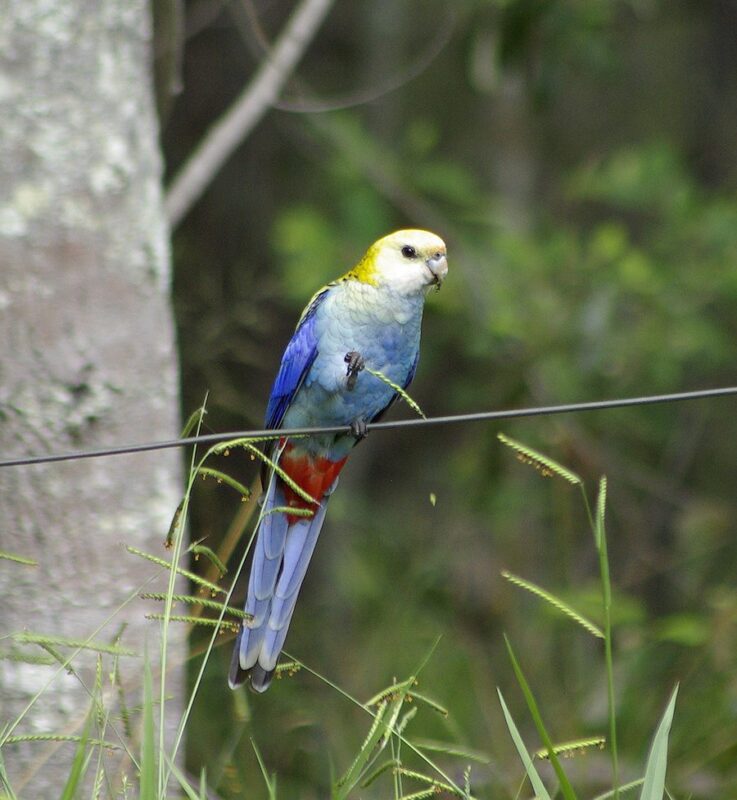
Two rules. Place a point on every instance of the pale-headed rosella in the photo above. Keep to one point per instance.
(370, 317)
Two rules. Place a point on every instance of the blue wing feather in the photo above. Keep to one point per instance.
(295, 364)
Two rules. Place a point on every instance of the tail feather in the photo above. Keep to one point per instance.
(260, 678)
(273, 643)
(252, 636)
(236, 676)
(269, 550)
(267, 558)
(281, 556)
(301, 543)
(297, 553)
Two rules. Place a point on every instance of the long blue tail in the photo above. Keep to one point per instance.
(281, 556)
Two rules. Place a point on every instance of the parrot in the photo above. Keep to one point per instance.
(364, 322)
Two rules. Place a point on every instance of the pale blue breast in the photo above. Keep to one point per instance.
(384, 328)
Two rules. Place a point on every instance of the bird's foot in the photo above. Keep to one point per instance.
(355, 363)
(359, 429)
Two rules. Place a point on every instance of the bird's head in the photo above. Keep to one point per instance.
(409, 262)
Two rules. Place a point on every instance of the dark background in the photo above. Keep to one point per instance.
(579, 158)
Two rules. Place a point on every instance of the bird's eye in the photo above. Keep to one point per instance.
(409, 252)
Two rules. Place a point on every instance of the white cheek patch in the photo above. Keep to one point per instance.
(402, 275)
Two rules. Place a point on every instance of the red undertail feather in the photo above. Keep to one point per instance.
(313, 474)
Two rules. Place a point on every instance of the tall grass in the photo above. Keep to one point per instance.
(389, 762)
(653, 782)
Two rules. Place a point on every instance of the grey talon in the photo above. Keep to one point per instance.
(355, 363)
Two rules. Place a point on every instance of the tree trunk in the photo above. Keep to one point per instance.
(87, 360)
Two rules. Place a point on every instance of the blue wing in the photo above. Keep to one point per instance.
(395, 396)
(295, 364)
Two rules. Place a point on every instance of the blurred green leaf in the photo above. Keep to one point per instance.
(689, 630)
(654, 785)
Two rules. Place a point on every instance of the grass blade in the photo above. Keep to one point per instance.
(654, 785)
(606, 599)
(392, 764)
(195, 419)
(213, 588)
(437, 786)
(537, 785)
(184, 784)
(423, 794)
(202, 622)
(351, 777)
(544, 465)
(555, 602)
(565, 784)
(79, 763)
(269, 780)
(450, 749)
(625, 787)
(58, 737)
(575, 747)
(399, 390)
(198, 550)
(189, 599)
(223, 477)
(77, 644)
(149, 789)
(175, 524)
(28, 562)
(5, 782)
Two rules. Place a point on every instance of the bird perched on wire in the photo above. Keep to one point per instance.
(367, 321)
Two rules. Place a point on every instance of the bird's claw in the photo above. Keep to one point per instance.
(359, 429)
(355, 363)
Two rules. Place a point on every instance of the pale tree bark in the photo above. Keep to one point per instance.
(87, 359)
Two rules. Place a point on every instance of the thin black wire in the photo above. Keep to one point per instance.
(451, 419)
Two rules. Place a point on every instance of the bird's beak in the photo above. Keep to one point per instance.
(438, 266)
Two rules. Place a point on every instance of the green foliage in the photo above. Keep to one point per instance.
(389, 730)
(387, 753)
(307, 251)
(578, 158)
(653, 782)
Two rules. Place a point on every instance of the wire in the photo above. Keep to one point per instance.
(452, 419)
